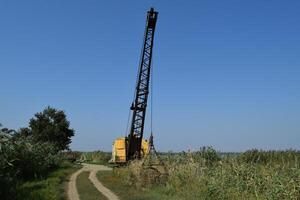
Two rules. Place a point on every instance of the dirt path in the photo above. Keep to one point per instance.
(105, 191)
(72, 190)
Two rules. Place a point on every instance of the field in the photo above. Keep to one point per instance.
(40, 172)
(203, 174)
(207, 175)
(95, 157)
(34, 170)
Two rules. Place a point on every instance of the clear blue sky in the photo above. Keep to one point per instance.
(226, 73)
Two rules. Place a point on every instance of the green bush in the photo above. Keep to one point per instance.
(206, 154)
(21, 159)
(32, 152)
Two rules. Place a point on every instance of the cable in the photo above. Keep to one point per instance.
(128, 118)
(151, 93)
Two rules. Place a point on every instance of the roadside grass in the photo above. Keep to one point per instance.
(53, 187)
(86, 189)
(203, 174)
(112, 180)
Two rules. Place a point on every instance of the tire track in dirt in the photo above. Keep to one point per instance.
(72, 189)
(105, 191)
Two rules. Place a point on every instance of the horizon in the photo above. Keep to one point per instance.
(226, 74)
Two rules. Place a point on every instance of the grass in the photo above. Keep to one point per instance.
(95, 157)
(86, 189)
(50, 188)
(205, 175)
(112, 180)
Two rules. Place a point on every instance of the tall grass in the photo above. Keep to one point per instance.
(204, 174)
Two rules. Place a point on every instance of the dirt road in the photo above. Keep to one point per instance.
(72, 190)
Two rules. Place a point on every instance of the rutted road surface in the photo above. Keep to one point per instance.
(72, 189)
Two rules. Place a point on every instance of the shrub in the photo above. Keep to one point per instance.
(208, 154)
(21, 159)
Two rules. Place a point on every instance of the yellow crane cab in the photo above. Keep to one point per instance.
(119, 150)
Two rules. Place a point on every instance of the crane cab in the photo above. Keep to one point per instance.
(119, 148)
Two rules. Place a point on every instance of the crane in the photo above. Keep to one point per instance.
(133, 145)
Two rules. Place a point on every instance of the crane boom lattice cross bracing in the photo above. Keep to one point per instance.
(142, 88)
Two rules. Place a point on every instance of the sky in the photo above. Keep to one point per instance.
(225, 73)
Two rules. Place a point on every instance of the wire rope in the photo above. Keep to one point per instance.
(151, 98)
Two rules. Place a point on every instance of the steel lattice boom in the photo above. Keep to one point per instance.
(139, 105)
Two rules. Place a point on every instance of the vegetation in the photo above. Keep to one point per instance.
(205, 175)
(95, 157)
(33, 166)
(52, 187)
(113, 181)
(86, 189)
(32, 153)
(51, 126)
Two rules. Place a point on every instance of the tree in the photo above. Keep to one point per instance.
(6, 130)
(51, 126)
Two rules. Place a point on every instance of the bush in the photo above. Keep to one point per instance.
(206, 154)
(36, 160)
(21, 159)
(32, 152)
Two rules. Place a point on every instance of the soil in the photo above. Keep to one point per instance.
(93, 169)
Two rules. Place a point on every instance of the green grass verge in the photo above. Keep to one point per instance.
(86, 189)
(53, 187)
(125, 192)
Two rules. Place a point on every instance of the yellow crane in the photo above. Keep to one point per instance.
(133, 145)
